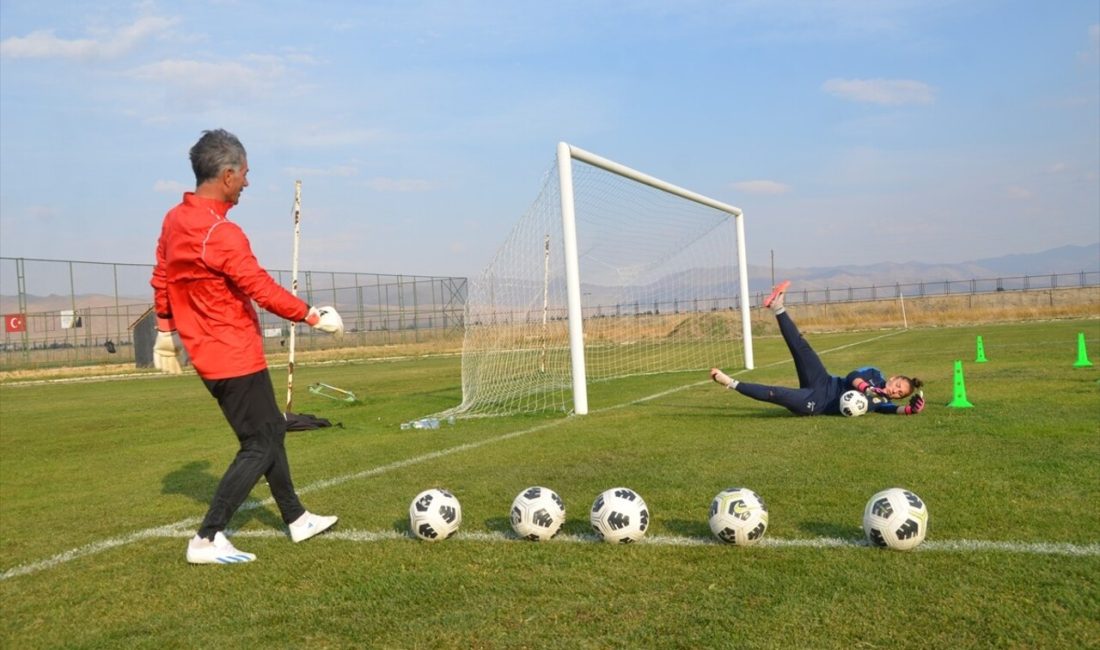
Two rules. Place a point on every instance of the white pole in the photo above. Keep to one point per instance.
(566, 151)
(743, 273)
(572, 280)
(545, 300)
(627, 172)
(294, 290)
(904, 320)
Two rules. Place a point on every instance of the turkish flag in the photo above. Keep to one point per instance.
(15, 323)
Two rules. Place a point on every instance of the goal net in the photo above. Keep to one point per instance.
(611, 273)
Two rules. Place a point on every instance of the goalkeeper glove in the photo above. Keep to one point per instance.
(325, 319)
(869, 391)
(166, 353)
(916, 404)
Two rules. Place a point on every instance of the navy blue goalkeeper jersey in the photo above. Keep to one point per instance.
(873, 376)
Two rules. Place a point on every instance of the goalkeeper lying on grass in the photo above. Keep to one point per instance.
(818, 392)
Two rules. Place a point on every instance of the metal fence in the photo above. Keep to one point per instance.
(808, 293)
(60, 312)
(75, 312)
(811, 294)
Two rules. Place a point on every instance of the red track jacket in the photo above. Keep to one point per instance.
(205, 279)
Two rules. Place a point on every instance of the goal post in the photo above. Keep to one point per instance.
(611, 273)
(566, 154)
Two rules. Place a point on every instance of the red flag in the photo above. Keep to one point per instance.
(15, 323)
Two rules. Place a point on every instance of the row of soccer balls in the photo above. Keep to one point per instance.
(894, 518)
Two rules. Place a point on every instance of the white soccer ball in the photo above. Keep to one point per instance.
(435, 515)
(619, 516)
(853, 404)
(537, 514)
(895, 518)
(738, 516)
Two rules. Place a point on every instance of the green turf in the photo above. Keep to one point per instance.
(91, 472)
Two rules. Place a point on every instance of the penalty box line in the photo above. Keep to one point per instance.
(174, 528)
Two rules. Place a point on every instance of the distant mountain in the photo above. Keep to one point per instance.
(54, 302)
(1065, 259)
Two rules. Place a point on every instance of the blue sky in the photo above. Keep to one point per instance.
(848, 131)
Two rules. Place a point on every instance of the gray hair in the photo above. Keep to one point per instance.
(215, 152)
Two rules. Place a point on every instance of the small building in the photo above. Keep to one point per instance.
(144, 336)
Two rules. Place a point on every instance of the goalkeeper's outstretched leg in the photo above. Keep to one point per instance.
(819, 392)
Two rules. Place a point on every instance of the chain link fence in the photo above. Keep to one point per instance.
(67, 312)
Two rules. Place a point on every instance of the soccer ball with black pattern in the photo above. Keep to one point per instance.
(537, 513)
(435, 515)
(619, 516)
(738, 516)
(853, 404)
(895, 518)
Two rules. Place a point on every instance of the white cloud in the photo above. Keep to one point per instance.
(44, 44)
(201, 85)
(170, 187)
(312, 135)
(881, 91)
(761, 187)
(400, 185)
(1092, 53)
(334, 170)
(1018, 193)
(204, 75)
(41, 213)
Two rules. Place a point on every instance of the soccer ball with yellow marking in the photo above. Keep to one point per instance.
(738, 516)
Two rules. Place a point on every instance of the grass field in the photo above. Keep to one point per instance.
(103, 482)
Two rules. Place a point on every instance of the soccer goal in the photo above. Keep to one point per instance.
(610, 273)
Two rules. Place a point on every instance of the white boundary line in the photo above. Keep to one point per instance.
(182, 527)
(948, 546)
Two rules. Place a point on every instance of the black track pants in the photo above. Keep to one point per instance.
(814, 381)
(249, 406)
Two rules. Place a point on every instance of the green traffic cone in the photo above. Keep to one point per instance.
(960, 401)
(981, 351)
(1082, 354)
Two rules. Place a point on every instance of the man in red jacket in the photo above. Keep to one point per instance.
(205, 281)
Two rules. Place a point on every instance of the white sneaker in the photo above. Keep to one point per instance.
(219, 551)
(309, 525)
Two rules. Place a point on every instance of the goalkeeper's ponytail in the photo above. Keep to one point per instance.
(915, 383)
